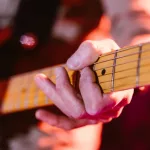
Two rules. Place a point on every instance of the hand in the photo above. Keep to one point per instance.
(89, 107)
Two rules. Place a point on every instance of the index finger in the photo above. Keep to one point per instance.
(88, 52)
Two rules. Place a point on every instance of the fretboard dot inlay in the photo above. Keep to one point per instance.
(103, 72)
(23, 90)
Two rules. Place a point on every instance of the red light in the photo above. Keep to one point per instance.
(28, 41)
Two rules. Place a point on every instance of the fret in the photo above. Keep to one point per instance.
(32, 92)
(29, 82)
(132, 55)
(105, 64)
(144, 77)
(10, 96)
(42, 99)
(22, 91)
(113, 70)
(138, 66)
(120, 70)
(125, 75)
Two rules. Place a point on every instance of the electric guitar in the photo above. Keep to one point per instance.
(117, 70)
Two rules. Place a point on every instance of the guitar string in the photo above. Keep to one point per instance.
(124, 49)
(103, 82)
(29, 106)
(123, 77)
(35, 106)
(143, 51)
(8, 109)
(144, 58)
(23, 107)
(115, 89)
(128, 69)
(144, 83)
(124, 55)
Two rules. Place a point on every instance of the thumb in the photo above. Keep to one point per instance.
(88, 52)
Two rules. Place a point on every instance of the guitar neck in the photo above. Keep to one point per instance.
(22, 93)
(123, 69)
(118, 70)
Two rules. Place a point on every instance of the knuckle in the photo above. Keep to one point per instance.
(61, 86)
(109, 40)
(88, 44)
(86, 77)
(77, 115)
(94, 110)
(49, 93)
(90, 47)
(112, 42)
(82, 82)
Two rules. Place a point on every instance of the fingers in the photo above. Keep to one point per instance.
(113, 99)
(93, 106)
(49, 89)
(54, 120)
(97, 103)
(98, 106)
(63, 94)
(90, 92)
(115, 102)
(68, 94)
(88, 52)
(61, 121)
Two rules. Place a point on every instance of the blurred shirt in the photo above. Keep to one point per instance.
(129, 18)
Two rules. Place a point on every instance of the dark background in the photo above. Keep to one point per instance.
(38, 17)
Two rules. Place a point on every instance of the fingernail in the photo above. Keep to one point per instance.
(88, 77)
(73, 62)
(39, 77)
(40, 80)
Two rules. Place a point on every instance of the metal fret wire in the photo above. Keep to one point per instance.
(144, 58)
(124, 70)
(121, 50)
(138, 66)
(113, 71)
(125, 49)
(122, 78)
(114, 65)
(121, 56)
(118, 64)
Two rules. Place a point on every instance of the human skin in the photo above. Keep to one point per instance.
(89, 107)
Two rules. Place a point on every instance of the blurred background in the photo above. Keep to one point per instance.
(36, 34)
